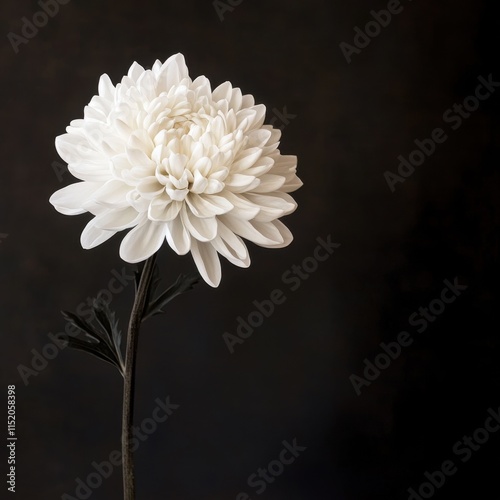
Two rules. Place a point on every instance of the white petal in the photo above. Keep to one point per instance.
(248, 101)
(229, 253)
(246, 159)
(207, 261)
(223, 92)
(261, 233)
(239, 183)
(160, 211)
(236, 99)
(262, 166)
(200, 183)
(173, 71)
(220, 175)
(135, 71)
(232, 247)
(260, 116)
(178, 194)
(112, 193)
(119, 165)
(292, 185)
(149, 187)
(99, 171)
(94, 112)
(202, 86)
(156, 67)
(117, 220)
(201, 229)
(288, 162)
(93, 236)
(178, 237)
(142, 242)
(208, 206)
(158, 153)
(70, 199)
(272, 205)
(137, 201)
(217, 128)
(232, 241)
(106, 88)
(269, 183)
(102, 105)
(138, 158)
(177, 165)
(275, 137)
(258, 138)
(245, 119)
(203, 165)
(214, 186)
(142, 141)
(146, 83)
(285, 233)
(243, 208)
(74, 148)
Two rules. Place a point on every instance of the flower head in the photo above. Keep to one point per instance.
(170, 159)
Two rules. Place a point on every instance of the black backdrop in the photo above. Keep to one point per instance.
(292, 379)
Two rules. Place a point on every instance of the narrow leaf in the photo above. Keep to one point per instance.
(98, 352)
(183, 284)
(81, 324)
(109, 324)
(97, 343)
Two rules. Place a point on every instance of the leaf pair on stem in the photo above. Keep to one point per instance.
(101, 337)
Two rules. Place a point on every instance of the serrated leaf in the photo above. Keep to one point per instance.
(103, 344)
(81, 324)
(109, 324)
(184, 283)
(96, 350)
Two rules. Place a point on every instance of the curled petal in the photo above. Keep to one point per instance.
(207, 206)
(277, 226)
(272, 205)
(207, 261)
(201, 229)
(178, 237)
(260, 233)
(229, 254)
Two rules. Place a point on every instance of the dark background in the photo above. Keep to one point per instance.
(290, 379)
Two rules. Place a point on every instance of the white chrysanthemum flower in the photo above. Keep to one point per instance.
(176, 161)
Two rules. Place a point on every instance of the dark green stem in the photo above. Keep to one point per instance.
(129, 378)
